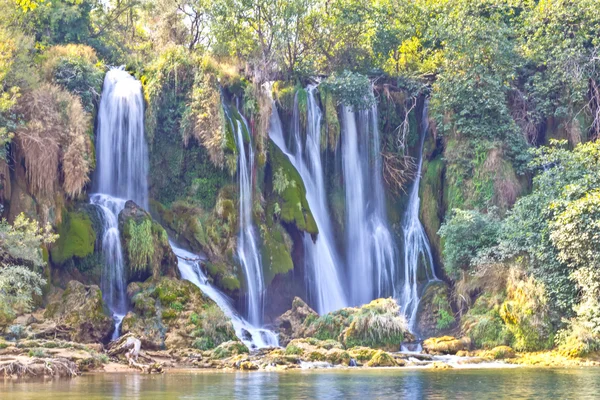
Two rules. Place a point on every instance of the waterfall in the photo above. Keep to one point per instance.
(189, 266)
(122, 155)
(370, 249)
(321, 260)
(247, 247)
(122, 168)
(416, 244)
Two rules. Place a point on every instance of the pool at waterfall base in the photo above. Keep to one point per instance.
(481, 383)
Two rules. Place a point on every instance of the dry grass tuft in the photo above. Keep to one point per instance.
(53, 142)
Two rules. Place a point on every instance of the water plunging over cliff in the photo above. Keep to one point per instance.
(121, 152)
(321, 260)
(121, 173)
(247, 247)
(189, 266)
(370, 250)
(417, 251)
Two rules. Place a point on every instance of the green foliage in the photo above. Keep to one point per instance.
(465, 235)
(18, 285)
(38, 353)
(445, 320)
(77, 69)
(351, 89)
(140, 246)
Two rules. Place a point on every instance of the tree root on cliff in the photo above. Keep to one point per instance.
(38, 367)
(130, 346)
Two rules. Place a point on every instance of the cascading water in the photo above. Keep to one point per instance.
(122, 155)
(320, 255)
(417, 250)
(370, 250)
(189, 266)
(122, 168)
(247, 247)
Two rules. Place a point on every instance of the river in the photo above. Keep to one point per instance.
(495, 383)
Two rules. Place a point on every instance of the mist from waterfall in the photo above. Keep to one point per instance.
(370, 249)
(121, 175)
(320, 256)
(417, 251)
(247, 247)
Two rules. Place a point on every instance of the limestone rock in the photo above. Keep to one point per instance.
(290, 325)
(382, 359)
(82, 312)
(434, 314)
(446, 345)
(146, 248)
(501, 352)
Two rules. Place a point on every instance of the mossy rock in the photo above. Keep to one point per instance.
(228, 349)
(431, 193)
(378, 324)
(435, 314)
(290, 191)
(446, 345)
(276, 252)
(173, 313)
(82, 310)
(146, 247)
(501, 352)
(381, 359)
(76, 238)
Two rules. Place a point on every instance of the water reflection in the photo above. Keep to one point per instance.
(521, 383)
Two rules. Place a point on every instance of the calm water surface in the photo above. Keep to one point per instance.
(518, 383)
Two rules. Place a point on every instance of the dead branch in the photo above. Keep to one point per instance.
(398, 171)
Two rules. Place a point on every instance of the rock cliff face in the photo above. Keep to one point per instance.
(146, 248)
(172, 313)
(81, 314)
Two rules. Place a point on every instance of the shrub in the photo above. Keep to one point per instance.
(466, 234)
(75, 68)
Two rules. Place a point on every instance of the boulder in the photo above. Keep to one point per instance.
(82, 313)
(172, 313)
(446, 345)
(290, 325)
(382, 359)
(501, 352)
(146, 247)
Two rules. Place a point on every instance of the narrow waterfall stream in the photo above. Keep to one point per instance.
(247, 246)
(417, 250)
(321, 259)
(252, 336)
(370, 249)
(122, 168)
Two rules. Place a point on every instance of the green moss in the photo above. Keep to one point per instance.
(275, 249)
(290, 192)
(76, 238)
(284, 93)
(431, 192)
(332, 122)
(230, 283)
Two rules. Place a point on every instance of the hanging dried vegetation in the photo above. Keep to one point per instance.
(54, 142)
(208, 126)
